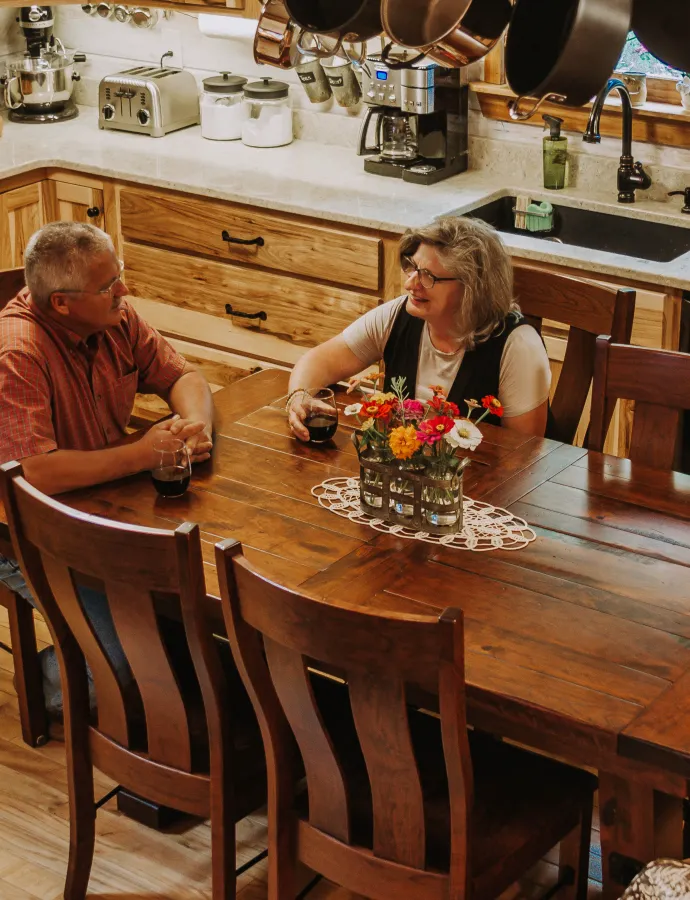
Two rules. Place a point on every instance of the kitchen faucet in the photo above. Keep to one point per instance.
(631, 175)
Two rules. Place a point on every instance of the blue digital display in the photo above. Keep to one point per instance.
(381, 76)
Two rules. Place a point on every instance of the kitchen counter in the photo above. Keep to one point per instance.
(323, 181)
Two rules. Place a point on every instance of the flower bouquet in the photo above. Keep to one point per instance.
(410, 471)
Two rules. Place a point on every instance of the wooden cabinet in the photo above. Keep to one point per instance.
(21, 213)
(72, 202)
(297, 283)
(249, 9)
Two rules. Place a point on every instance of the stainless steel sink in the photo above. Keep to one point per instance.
(595, 230)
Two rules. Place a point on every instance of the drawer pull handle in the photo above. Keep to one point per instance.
(243, 315)
(93, 212)
(259, 241)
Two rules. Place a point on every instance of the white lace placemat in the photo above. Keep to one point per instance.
(485, 527)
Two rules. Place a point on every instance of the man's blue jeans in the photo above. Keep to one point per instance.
(95, 606)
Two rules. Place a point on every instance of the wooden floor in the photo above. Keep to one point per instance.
(131, 861)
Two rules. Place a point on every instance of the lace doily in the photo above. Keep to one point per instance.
(485, 527)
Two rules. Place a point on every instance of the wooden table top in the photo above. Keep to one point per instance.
(578, 644)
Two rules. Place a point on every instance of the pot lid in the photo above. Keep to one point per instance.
(267, 89)
(225, 83)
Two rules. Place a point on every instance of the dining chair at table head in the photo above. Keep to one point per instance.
(588, 309)
(398, 802)
(658, 381)
(11, 282)
(166, 733)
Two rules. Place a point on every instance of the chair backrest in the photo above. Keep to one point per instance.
(139, 569)
(589, 310)
(11, 282)
(276, 635)
(659, 383)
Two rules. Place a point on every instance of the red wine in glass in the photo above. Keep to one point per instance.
(321, 418)
(171, 481)
(321, 427)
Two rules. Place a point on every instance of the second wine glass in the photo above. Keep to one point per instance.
(321, 418)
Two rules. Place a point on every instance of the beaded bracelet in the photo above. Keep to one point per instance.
(291, 395)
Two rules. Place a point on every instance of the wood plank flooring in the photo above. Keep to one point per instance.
(131, 861)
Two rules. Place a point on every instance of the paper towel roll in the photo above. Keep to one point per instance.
(227, 27)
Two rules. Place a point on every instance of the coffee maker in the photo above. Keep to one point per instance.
(39, 82)
(420, 114)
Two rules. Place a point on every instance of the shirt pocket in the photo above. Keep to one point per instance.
(120, 400)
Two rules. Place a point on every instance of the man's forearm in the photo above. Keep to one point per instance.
(190, 397)
(67, 470)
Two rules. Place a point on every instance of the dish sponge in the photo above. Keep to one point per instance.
(540, 216)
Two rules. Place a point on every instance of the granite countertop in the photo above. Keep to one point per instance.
(319, 180)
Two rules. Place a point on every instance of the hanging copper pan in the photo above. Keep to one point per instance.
(453, 33)
(351, 20)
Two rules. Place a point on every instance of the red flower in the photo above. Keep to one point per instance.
(443, 407)
(432, 430)
(493, 404)
(437, 390)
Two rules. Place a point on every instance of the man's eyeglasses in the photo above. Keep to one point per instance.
(426, 278)
(105, 290)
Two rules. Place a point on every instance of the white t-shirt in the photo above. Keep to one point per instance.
(525, 374)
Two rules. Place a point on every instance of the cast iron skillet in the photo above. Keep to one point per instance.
(564, 50)
(352, 20)
(663, 26)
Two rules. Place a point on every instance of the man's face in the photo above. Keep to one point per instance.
(97, 305)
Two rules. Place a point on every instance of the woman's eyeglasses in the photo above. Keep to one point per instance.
(426, 278)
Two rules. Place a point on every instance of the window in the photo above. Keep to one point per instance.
(636, 58)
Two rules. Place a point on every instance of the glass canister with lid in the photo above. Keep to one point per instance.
(269, 117)
(222, 110)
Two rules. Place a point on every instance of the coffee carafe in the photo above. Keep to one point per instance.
(396, 135)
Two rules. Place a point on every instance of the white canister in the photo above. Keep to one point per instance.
(222, 110)
(268, 120)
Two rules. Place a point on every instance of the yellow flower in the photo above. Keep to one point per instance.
(379, 397)
(367, 424)
(403, 441)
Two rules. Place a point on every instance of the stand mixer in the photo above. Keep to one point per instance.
(39, 82)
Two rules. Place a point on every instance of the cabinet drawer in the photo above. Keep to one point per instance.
(289, 245)
(300, 312)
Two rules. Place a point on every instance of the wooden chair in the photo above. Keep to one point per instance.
(589, 310)
(28, 678)
(659, 383)
(151, 735)
(399, 803)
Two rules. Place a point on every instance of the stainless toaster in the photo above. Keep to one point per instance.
(148, 100)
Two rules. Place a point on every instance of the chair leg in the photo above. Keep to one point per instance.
(27, 669)
(574, 854)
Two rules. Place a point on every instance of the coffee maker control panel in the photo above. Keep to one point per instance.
(381, 86)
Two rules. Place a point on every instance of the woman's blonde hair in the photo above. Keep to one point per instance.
(472, 251)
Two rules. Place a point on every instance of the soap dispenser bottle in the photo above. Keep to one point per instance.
(555, 155)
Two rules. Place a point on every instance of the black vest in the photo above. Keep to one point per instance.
(479, 371)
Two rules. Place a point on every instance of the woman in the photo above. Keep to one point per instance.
(457, 326)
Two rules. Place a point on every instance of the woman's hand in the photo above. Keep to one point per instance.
(296, 416)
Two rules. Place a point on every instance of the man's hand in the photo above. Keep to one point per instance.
(296, 416)
(196, 435)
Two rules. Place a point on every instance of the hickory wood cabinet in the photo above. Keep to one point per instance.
(249, 9)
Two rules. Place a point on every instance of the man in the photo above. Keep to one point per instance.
(73, 354)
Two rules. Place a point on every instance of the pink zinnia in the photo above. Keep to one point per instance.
(413, 408)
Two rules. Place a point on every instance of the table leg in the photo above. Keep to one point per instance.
(638, 824)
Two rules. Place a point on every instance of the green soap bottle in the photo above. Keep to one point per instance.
(555, 155)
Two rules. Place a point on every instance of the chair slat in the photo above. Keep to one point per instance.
(655, 435)
(573, 384)
(329, 809)
(164, 707)
(381, 717)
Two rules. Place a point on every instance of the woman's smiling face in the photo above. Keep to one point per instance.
(438, 303)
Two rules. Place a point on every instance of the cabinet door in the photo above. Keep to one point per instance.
(21, 214)
(65, 202)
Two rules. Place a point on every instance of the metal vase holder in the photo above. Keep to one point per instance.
(418, 521)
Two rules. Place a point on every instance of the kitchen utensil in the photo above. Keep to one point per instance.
(104, 10)
(222, 111)
(276, 39)
(89, 8)
(143, 17)
(636, 83)
(122, 13)
(563, 51)
(313, 78)
(343, 81)
(269, 117)
(148, 100)
(353, 20)
(454, 33)
(663, 27)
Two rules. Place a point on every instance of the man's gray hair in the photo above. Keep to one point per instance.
(57, 257)
(473, 252)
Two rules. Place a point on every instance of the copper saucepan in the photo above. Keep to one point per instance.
(352, 20)
(453, 33)
(279, 40)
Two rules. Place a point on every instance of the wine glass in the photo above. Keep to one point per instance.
(321, 418)
(173, 470)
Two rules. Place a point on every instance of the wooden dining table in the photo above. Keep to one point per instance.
(577, 645)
